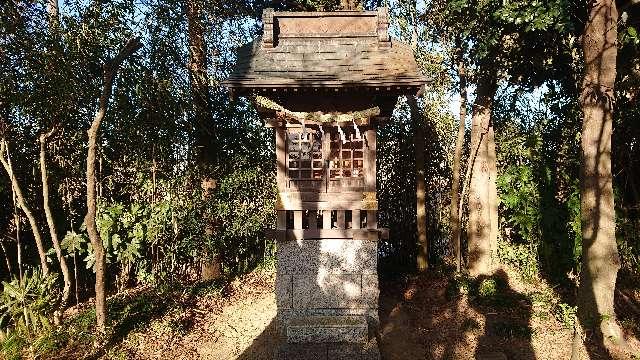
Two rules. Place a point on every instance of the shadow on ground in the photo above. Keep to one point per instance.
(430, 317)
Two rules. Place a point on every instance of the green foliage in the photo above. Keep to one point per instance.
(567, 315)
(537, 184)
(74, 242)
(519, 256)
(25, 310)
(487, 288)
(28, 304)
(12, 345)
(519, 195)
(241, 207)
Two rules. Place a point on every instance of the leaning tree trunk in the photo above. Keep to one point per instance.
(66, 291)
(421, 201)
(25, 208)
(454, 214)
(110, 71)
(479, 225)
(599, 250)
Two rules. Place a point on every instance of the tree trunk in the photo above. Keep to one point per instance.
(421, 213)
(200, 92)
(599, 250)
(206, 135)
(18, 242)
(53, 10)
(454, 215)
(110, 71)
(6, 258)
(493, 194)
(75, 277)
(25, 208)
(479, 226)
(51, 223)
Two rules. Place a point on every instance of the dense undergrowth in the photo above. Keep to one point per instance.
(163, 308)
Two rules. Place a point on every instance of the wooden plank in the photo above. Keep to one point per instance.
(323, 205)
(342, 13)
(370, 161)
(372, 219)
(313, 219)
(355, 219)
(326, 219)
(316, 196)
(281, 221)
(340, 222)
(281, 159)
(297, 219)
(346, 234)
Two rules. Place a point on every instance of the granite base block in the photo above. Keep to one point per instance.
(320, 329)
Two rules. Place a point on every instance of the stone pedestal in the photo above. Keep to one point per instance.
(329, 277)
(327, 292)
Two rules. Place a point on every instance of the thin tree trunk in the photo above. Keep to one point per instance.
(51, 223)
(421, 213)
(16, 219)
(25, 208)
(479, 226)
(493, 194)
(110, 71)
(454, 215)
(599, 250)
(18, 242)
(6, 258)
(75, 277)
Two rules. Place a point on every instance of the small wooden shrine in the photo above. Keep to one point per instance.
(325, 81)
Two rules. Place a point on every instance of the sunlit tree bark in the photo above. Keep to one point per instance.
(454, 213)
(480, 212)
(421, 201)
(599, 249)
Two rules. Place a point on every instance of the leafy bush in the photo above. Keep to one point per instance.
(487, 288)
(566, 314)
(25, 309)
(519, 256)
(27, 304)
(241, 207)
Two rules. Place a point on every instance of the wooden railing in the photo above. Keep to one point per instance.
(327, 224)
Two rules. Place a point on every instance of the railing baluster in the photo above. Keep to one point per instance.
(355, 219)
(297, 219)
(326, 219)
(340, 221)
(372, 220)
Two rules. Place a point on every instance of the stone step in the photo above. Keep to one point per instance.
(327, 329)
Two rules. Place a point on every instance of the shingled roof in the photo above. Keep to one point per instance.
(325, 50)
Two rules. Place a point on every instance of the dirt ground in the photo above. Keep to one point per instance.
(419, 320)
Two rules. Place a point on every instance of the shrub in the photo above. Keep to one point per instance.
(566, 314)
(26, 306)
(520, 257)
(487, 288)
